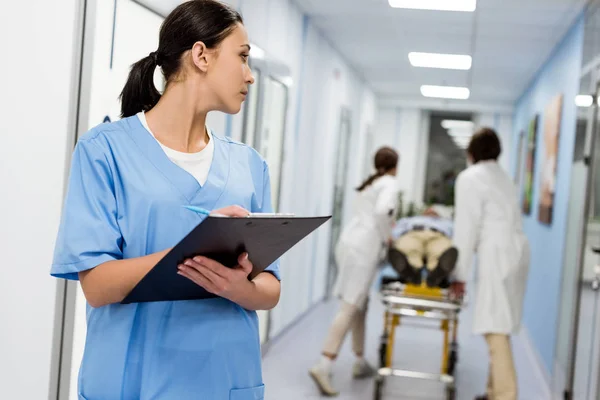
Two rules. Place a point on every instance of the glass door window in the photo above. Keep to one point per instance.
(270, 141)
(251, 108)
(264, 129)
(341, 174)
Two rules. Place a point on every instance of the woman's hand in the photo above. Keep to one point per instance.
(229, 283)
(231, 211)
(262, 293)
(457, 290)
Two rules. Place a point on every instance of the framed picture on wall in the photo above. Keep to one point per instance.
(552, 120)
(530, 165)
(519, 166)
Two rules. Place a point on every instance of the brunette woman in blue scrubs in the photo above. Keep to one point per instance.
(124, 210)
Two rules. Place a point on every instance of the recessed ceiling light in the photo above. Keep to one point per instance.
(444, 61)
(445, 92)
(437, 5)
(584, 100)
(457, 124)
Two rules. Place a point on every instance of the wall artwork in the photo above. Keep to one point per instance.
(530, 166)
(518, 170)
(552, 120)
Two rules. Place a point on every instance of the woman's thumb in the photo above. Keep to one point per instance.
(245, 263)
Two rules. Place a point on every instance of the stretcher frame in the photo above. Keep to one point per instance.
(421, 302)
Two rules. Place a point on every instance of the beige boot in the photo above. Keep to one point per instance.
(362, 370)
(323, 380)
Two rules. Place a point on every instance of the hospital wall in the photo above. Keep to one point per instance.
(559, 75)
(36, 138)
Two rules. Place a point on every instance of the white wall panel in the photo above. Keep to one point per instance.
(38, 39)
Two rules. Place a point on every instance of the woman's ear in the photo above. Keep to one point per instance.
(200, 56)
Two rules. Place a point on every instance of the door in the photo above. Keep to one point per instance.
(270, 140)
(584, 370)
(368, 161)
(339, 189)
(250, 109)
(264, 129)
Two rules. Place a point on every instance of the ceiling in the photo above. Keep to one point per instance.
(509, 41)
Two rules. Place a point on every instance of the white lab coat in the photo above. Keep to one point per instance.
(358, 252)
(488, 222)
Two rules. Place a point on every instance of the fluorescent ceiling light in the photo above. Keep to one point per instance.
(584, 100)
(460, 131)
(437, 5)
(445, 92)
(443, 61)
(457, 124)
(256, 52)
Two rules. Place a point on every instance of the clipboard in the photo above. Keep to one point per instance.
(222, 239)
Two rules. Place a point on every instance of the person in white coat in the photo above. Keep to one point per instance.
(488, 222)
(358, 254)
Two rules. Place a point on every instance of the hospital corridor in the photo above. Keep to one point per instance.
(300, 199)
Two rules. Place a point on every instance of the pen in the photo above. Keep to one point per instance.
(199, 210)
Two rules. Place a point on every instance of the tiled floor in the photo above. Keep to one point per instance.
(286, 364)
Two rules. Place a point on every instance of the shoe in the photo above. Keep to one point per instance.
(405, 271)
(362, 369)
(323, 380)
(445, 266)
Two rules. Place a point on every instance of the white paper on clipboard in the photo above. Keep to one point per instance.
(271, 215)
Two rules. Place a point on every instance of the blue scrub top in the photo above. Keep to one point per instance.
(125, 200)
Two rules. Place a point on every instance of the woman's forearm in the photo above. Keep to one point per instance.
(110, 282)
(262, 293)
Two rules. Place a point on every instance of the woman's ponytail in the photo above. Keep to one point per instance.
(386, 159)
(139, 93)
(369, 181)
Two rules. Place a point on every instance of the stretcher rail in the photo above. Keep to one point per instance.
(419, 302)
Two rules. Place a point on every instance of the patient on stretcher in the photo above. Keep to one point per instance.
(423, 243)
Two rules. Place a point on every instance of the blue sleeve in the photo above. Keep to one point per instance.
(89, 234)
(265, 206)
(400, 228)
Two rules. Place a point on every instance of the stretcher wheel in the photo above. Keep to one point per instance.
(451, 392)
(452, 359)
(382, 353)
(378, 393)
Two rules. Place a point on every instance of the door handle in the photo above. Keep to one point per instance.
(596, 281)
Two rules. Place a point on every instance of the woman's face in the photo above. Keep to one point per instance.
(229, 75)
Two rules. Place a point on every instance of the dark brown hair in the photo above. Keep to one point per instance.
(207, 21)
(386, 159)
(484, 145)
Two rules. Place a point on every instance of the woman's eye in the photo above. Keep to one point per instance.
(245, 57)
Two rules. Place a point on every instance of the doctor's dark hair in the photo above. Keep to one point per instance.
(386, 159)
(484, 145)
(207, 21)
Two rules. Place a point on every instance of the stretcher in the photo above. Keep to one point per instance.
(404, 302)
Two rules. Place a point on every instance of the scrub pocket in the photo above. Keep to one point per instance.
(255, 393)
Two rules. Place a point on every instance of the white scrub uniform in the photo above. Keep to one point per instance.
(125, 200)
(488, 221)
(361, 243)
